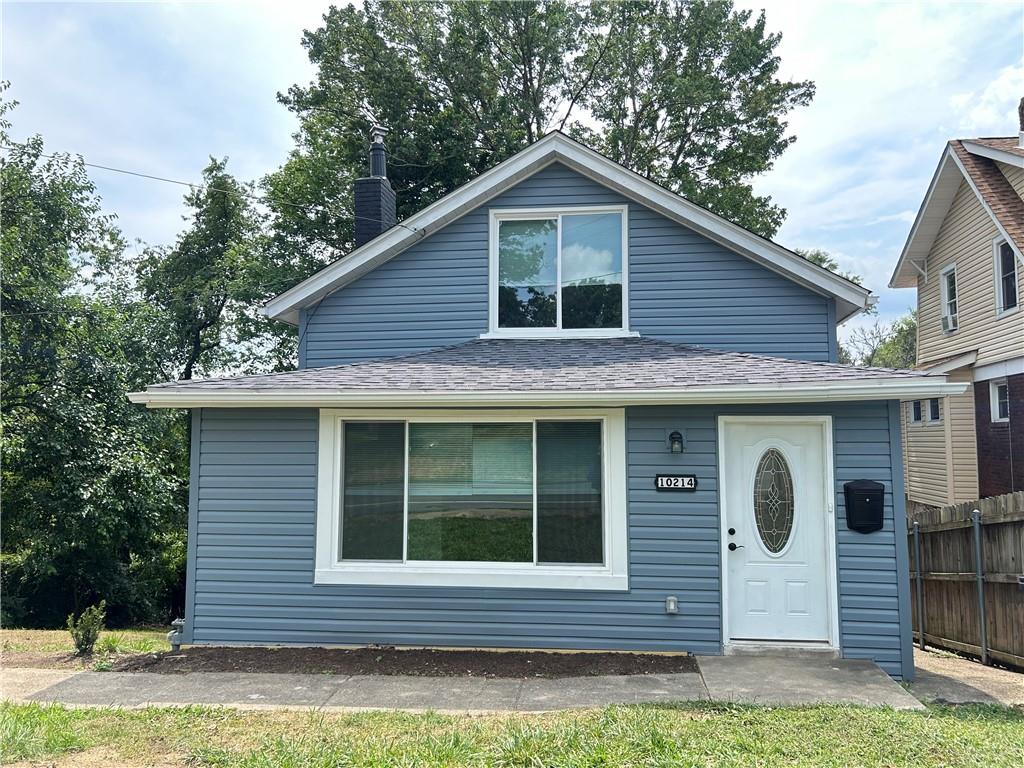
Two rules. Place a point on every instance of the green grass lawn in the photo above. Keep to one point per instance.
(695, 734)
(59, 641)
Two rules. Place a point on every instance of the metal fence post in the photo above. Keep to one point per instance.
(920, 584)
(979, 577)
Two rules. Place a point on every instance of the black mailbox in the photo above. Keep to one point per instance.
(865, 502)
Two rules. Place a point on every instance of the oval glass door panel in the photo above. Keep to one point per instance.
(773, 500)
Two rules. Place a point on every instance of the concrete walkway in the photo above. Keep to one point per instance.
(946, 678)
(752, 680)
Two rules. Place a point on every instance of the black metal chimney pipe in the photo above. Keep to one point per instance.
(378, 154)
(374, 198)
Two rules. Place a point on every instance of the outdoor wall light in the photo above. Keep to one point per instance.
(675, 442)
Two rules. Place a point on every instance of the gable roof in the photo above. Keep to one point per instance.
(557, 147)
(962, 161)
(1005, 149)
(555, 372)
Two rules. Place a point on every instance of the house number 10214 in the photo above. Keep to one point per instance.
(675, 482)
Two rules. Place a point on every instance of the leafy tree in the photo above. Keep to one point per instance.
(93, 487)
(885, 345)
(899, 350)
(684, 91)
(687, 93)
(824, 259)
(209, 284)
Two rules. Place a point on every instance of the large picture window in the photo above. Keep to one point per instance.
(559, 272)
(502, 499)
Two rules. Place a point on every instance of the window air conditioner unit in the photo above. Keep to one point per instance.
(948, 323)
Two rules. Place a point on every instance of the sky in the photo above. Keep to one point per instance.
(160, 87)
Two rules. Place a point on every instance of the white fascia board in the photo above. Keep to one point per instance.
(1013, 366)
(850, 297)
(882, 389)
(418, 226)
(941, 191)
(1009, 158)
(954, 363)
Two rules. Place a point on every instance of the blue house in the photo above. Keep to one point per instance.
(561, 407)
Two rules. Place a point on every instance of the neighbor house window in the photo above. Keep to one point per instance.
(1006, 277)
(915, 411)
(999, 400)
(934, 412)
(949, 299)
(559, 272)
(502, 500)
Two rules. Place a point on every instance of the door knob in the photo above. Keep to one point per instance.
(733, 546)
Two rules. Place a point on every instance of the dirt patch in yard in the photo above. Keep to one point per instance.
(420, 662)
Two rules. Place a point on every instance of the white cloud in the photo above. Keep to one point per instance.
(581, 262)
(895, 81)
(995, 103)
(158, 87)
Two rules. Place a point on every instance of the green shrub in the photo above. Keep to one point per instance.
(85, 630)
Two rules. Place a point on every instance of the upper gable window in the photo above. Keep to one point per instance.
(559, 272)
(1006, 277)
(950, 305)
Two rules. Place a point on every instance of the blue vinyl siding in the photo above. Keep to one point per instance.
(252, 548)
(683, 288)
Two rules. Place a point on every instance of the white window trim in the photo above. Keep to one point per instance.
(944, 294)
(993, 401)
(926, 410)
(526, 214)
(997, 243)
(911, 415)
(611, 576)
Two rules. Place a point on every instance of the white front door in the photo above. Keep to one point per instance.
(776, 529)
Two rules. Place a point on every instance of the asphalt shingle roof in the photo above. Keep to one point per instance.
(1009, 144)
(1005, 203)
(549, 365)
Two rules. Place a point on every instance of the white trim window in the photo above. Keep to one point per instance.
(999, 400)
(916, 413)
(559, 272)
(1006, 276)
(473, 499)
(950, 306)
(934, 415)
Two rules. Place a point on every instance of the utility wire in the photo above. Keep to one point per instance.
(258, 198)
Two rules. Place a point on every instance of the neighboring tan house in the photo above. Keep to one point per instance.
(561, 407)
(963, 256)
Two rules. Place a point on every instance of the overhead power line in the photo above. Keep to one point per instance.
(192, 185)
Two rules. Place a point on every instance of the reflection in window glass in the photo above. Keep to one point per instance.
(372, 504)
(592, 271)
(950, 294)
(1002, 401)
(471, 492)
(527, 273)
(1007, 276)
(569, 521)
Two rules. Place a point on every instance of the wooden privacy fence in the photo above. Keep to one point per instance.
(967, 575)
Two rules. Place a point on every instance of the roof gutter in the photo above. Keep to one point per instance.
(883, 389)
